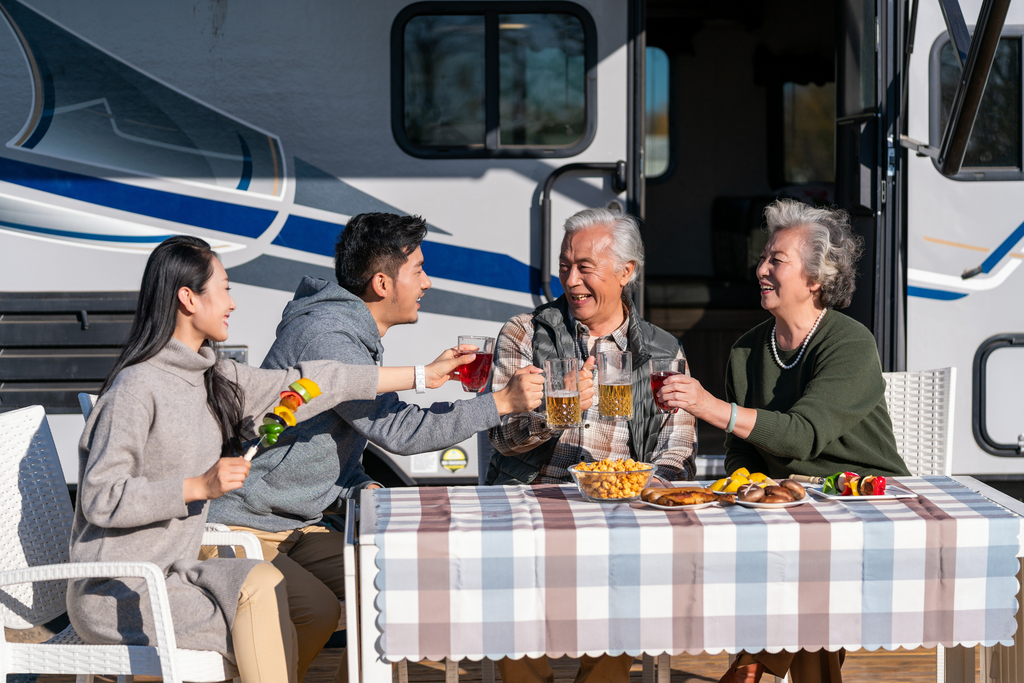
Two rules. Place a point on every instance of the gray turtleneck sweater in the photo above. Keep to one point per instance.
(149, 432)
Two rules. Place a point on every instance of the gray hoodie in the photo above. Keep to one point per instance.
(317, 463)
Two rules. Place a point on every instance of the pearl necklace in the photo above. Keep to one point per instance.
(807, 339)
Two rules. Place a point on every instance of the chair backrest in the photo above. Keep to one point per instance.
(35, 516)
(87, 402)
(921, 407)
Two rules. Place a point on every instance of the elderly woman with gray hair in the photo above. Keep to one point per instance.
(804, 390)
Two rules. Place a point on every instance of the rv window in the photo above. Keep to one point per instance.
(541, 79)
(444, 81)
(808, 132)
(482, 83)
(656, 139)
(994, 150)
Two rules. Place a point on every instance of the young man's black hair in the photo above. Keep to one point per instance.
(375, 243)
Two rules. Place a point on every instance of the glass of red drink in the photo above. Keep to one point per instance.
(474, 375)
(662, 369)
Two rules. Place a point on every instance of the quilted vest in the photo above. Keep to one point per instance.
(553, 339)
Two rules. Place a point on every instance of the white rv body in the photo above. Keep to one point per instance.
(312, 83)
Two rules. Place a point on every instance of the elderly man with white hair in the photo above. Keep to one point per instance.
(601, 259)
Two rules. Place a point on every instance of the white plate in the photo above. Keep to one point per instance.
(896, 494)
(698, 506)
(771, 506)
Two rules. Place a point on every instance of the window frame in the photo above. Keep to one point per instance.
(492, 148)
(970, 173)
(979, 414)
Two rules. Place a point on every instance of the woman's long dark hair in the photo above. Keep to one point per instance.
(181, 261)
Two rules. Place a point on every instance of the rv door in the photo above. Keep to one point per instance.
(867, 90)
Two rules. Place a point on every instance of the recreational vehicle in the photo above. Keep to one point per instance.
(263, 127)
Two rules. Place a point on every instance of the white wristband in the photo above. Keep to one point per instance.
(421, 380)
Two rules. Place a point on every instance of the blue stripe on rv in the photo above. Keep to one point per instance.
(452, 262)
(132, 239)
(1003, 249)
(202, 213)
(449, 261)
(938, 294)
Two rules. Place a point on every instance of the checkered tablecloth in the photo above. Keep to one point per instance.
(510, 571)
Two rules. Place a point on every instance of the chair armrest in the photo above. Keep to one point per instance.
(86, 570)
(247, 541)
(149, 572)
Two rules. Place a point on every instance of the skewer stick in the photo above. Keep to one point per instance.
(803, 478)
(252, 449)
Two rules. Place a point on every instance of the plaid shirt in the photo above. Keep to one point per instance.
(597, 439)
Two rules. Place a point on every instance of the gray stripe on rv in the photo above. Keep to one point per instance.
(319, 189)
(274, 272)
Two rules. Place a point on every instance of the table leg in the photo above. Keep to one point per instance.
(648, 671)
(1002, 664)
(451, 671)
(664, 669)
(958, 666)
(350, 606)
(486, 670)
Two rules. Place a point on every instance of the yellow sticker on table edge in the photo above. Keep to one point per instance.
(453, 459)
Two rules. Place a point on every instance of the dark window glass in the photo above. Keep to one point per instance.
(656, 142)
(542, 77)
(856, 55)
(996, 138)
(808, 132)
(444, 81)
(486, 82)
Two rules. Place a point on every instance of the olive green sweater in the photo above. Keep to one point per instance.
(824, 416)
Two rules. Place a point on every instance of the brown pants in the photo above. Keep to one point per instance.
(311, 561)
(802, 666)
(603, 669)
(263, 635)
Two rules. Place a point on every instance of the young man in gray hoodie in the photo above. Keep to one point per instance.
(316, 465)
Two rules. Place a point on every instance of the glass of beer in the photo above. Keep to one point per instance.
(562, 393)
(615, 386)
(474, 375)
(662, 369)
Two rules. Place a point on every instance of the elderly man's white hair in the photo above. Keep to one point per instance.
(627, 247)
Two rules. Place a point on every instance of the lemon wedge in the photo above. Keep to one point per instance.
(720, 485)
(735, 485)
(738, 478)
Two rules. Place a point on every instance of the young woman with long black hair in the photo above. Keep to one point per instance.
(158, 446)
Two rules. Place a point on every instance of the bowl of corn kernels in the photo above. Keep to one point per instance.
(611, 481)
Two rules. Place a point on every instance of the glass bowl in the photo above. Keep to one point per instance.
(612, 486)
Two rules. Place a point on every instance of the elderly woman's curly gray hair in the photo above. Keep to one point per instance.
(831, 249)
(627, 247)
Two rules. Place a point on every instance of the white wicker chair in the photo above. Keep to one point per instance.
(921, 407)
(35, 525)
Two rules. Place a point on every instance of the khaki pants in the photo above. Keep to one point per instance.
(311, 561)
(603, 669)
(263, 635)
(802, 666)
